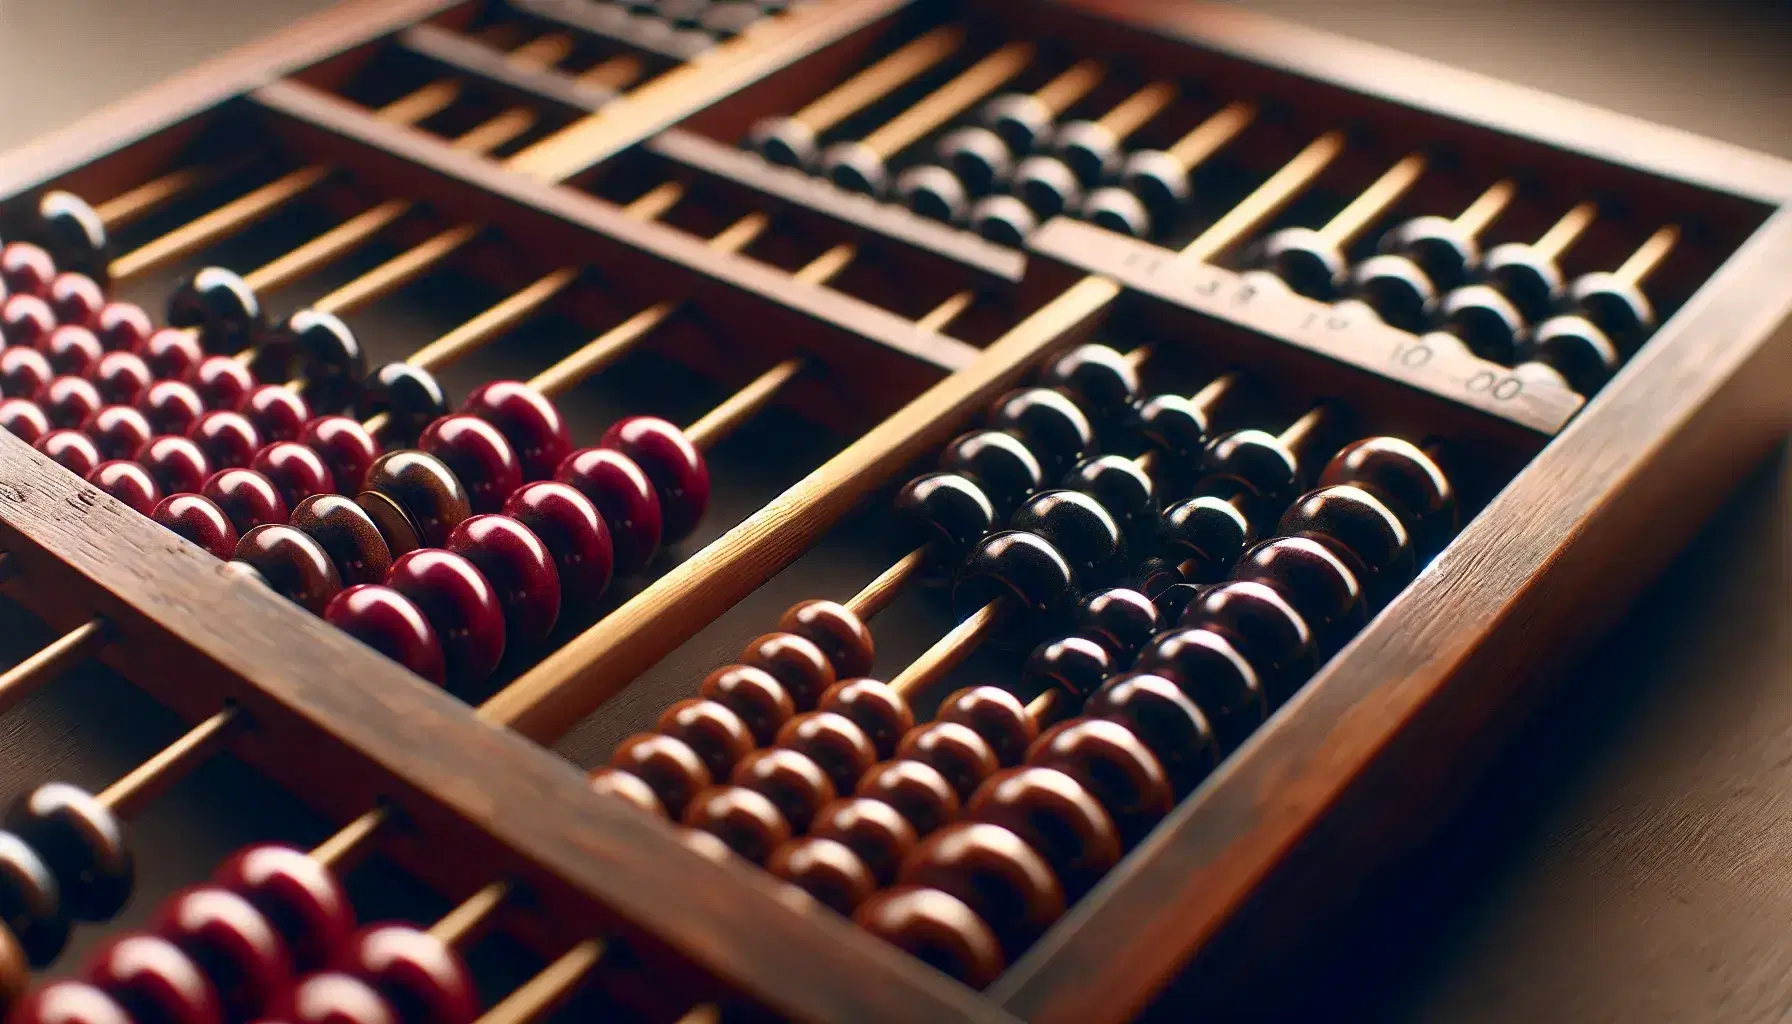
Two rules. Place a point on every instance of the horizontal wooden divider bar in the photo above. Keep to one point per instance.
(481, 61)
(611, 22)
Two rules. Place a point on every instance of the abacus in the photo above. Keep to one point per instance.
(1141, 454)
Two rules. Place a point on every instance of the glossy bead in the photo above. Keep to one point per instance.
(1484, 320)
(938, 929)
(1121, 620)
(125, 327)
(25, 420)
(961, 756)
(171, 407)
(1307, 261)
(833, 742)
(1360, 530)
(410, 396)
(746, 820)
(154, 981)
(129, 483)
(173, 355)
(1396, 469)
(576, 535)
(1397, 290)
(1047, 185)
(839, 633)
(1172, 601)
(76, 299)
(613, 782)
(1022, 120)
(228, 439)
(319, 348)
(1256, 459)
(333, 997)
(1055, 430)
(1214, 675)
(348, 533)
(279, 414)
(872, 829)
(298, 896)
(1161, 716)
(529, 421)
(345, 446)
(479, 457)
(708, 727)
(829, 871)
(1264, 628)
(679, 473)
(232, 943)
(1444, 251)
(82, 842)
(247, 497)
(1101, 381)
(462, 606)
(1314, 581)
(295, 470)
(789, 779)
(392, 624)
(1000, 463)
(881, 714)
(71, 349)
(520, 570)
(26, 320)
(994, 714)
(916, 789)
(221, 381)
(1205, 535)
(295, 566)
(121, 377)
(200, 520)
(1027, 570)
(1113, 765)
(1531, 280)
(1076, 665)
(1052, 813)
(946, 511)
(1124, 491)
(24, 373)
(26, 269)
(1005, 881)
(626, 498)
(222, 306)
(118, 431)
(753, 694)
(1575, 348)
(69, 1002)
(70, 401)
(1004, 220)
(31, 901)
(668, 765)
(1078, 527)
(416, 500)
(73, 233)
(705, 844)
(70, 449)
(1617, 306)
(418, 974)
(796, 663)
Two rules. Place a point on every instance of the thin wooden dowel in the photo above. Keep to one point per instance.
(502, 316)
(1564, 232)
(153, 777)
(947, 311)
(496, 133)
(1486, 207)
(1131, 113)
(1139, 356)
(877, 595)
(397, 271)
(420, 106)
(1301, 429)
(656, 201)
(948, 650)
(743, 404)
(1267, 200)
(1214, 390)
(28, 676)
(1360, 212)
(949, 100)
(459, 925)
(1070, 85)
(327, 246)
(122, 209)
(822, 268)
(545, 991)
(1643, 262)
(352, 841)
(1043, 708)
(1210, 135)
(616, 73)
(878, 80)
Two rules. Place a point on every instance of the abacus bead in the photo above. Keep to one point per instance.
(947, 511)
(121, 377)
(1617, 307)
(613, 782)
(129, 483)
(31, 901)
(622, 493)
(1120, 487)
(1208, 531)
(278, 413)
(1485, 321)
(154, 981)
(391, 624)
(345, 446)
(171, 406)
(784, 141)
(1052, 813)
(418, 974)
(1024, 568)
(83, 844)
(1121, 620)
(829, 871)
(1111, 762)
(679, 473)
(24, 373)
(479, 457)
(1305, 260)
(178, 465)
(1396, 289)
(1004, 220)
(833, 742)
(15, 971)
(1101, 381)
(747, 821)
(794, 662)
(247, 497)
(1396, 468)
(840, 634)
(69, 1002)
(1361, 530)
(295, 566)
(668, 765)
(410, 396)
(1255, 458)
(222, 306)
(425, 493)
(1214, 675)
(1312, 579)
(961, 756)
(299, 896)
(706, 844)
(1173, 600)
(124, 327)
(1078, 527)
(24, 419)
(1000, 463)
(200, 520)
(348, 533)
(1264, 628)
(118, 431)
(26, 269)
(917, 790)
(76, 299)
(221, 381)
(1022, 120)
(333, 997)
(234, 945)
(708, 727)
(933, 192)
(1575, 348)
(1073, 664)
(789, 779)
(753, 694)
(173, 355)
(879, 711)
(874, 830)
(72, 231)
(1055, 430)
(228, 439)
(295, 470)
(529, 421)
(1156, 711)
(26, 320)
(1005, 881)
(1046, 184)
(519, 567)
(70, 449)
(936, 928)
(576, 535)
(994, 714)
(462, 606)
(320, 348)
(71, 349)
(69, 401)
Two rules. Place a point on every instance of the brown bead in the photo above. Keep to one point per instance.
(717, 734)
(915, 789)
(788, 779)
(1057, 817)
(415, 498)
(706, 844)
(754, 695)
(833, 742)
(995, 873)
(348, 533)
(996, 715)
(627, 787)
(874, 830)
(824, 869)
(669, 767)
(841, 635)
(793, 661)
(936, 928)
(15, 970)
(955, 751)
(881, 713)
(748, 822)
(1170, 725)
(1114, 766)
(295, 566)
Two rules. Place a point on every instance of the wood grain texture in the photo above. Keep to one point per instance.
(481, 61)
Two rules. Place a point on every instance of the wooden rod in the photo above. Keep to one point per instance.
(1207, 137)
(1564, 232)
(348, 844)
(543, 51)
(948, 650)
(122, 209)
(743, 404)
(495, 133)
(949, 100)
(153, 777)
(1362, 211)
(28, 676)
(494, 321)
(1298, 432)
(878, 80)
(1046, 706)
(463, 922)
(397, 271)
(877, 595)
(545, 991)
(1489, 205)
(1214, 390)
(616, 73)
(1130, 114)
(1267, 200)
(947, 311)
(1070, 85)
(420, 106)
(1643, 262)
(822, 268)
(657, 201)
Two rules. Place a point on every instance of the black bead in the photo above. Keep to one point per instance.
(1312, 578)
(1412, 485)
(1047, 185)
(933, 192)
(1090, 149)
(31, 901)
(320, 348)
(1485, 320)
(978, 156)
(1577, 349)
(1151, 576)
(1056, 431)
(409, 394)
(1118, 211)
(1020, 119)
(1075, 664)
(1125, 490)
(1397, 290)
(1155, 710)
(1446, 253)
(1174, 426)
(222, 306)
(1256, 459)
(784, 141)
(1206, 667)
(1026, 569)
(1264, 628)
(1205, 535)
(1619, 308)
(1305, 261)
(1003, 220)
(1533, 283)
(1079, 527)
(1120, 619)
(1362, 531)
(855, 167)
(1098, 378)
(83, 843)
(1000, 463)
(946, 511)
(1159, 180)
(1173, 599)
(73, 233)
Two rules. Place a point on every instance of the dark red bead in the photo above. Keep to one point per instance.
(228, 438)
(420, 976)
(23, 419)
(478, 454)
(76, 299)
(129, 483)
(672, 462)
(234, 945)
(247, 497)
(125, 327)
(69, 1002)
(173, 354)
(176, 462)
(69, 401)
(26, 269)
(528, 420)
(24, 373)
(172, 407)
(391, 624)
(624, 496)
(70, 449)
(460, 603)
(348, 533)
(122, 377)
(154, 981)
(335, 998)
(26, 320)
(345, 446)
(200, 520)
(221, 381)
(518, 566)
(297, 471)
(575, 534)
(295, 566)
(119, 430)
(299, 897)
(279, 414)
(71, 349)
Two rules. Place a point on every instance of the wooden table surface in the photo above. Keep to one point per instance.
(1629, 858)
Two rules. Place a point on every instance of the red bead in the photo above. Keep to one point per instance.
(528, 420)
(23, 419)
(178, 464)
(574, 533)
(672, 462)
(26, 320)
(200, 520)
(26, 269)
(460, 603)
(624, 496)
(129, 483)
(154, 981)
(478, 455)
(518, 566)
(69, 401)
(232, 943)
(221, 381)
(391, 624)
(122, 377)
(119, 430)
(299, 897)
(423, 979)
(70, 449)
(228, 438)
(297, 471)
(247, 497)
(172, 353)
(124, 327)
(294, 566)
(69, 1002)
(24, 372)
(71, 350)
(172, 407)
(345, 446)
(279, 414)
(335, 998)
(76, 299)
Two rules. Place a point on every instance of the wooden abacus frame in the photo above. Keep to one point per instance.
(1351, 763)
